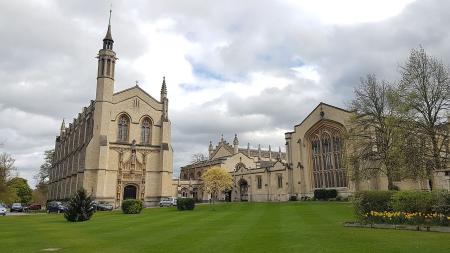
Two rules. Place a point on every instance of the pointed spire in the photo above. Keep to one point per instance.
(279, 153)
(108, 40)
(108, 32)
(248, 149)
(63, 126)
(270, 153)
(163, 88)
(236, 140)
(221, 139)
(210, 146)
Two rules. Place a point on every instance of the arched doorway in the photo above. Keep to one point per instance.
(129, 192)
(228, 196)
(243, 189)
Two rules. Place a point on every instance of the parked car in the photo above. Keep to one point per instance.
(33, 207)
(2, 210)
(55, 207)
(168, 202)
(103, 206)
(17, 207)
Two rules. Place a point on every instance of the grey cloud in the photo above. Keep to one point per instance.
(47, 64)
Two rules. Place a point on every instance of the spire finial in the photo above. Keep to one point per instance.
(163, 88)
(63, 126)
(108, 36)
(110, 12)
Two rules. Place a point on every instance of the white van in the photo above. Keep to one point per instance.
(168, 202)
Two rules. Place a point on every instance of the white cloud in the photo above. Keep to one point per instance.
(253, 67)
(347, 12)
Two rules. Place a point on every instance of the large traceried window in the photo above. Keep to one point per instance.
(123, 124)
(326, 152)
(146, 131)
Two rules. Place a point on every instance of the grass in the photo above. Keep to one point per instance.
(238, 227)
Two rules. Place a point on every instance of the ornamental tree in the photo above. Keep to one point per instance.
(215, 181)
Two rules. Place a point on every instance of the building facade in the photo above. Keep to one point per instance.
(118, 147)
(258, 175)
(316, 152)
(314, 159)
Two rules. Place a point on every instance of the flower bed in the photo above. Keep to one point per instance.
(409, 207)
(433, 219)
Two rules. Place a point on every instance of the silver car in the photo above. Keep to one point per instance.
(2, 210)
(168, 202)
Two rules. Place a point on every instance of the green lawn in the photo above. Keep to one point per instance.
(238, 227)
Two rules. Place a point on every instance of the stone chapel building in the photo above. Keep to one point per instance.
(119, 146)
(316, 150)
(258, 175)
(314, 159)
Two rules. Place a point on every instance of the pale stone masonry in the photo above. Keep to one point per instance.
(258, 175)
(314, 159)
(119, 146)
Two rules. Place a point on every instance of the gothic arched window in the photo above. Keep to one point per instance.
(122, 133)
(326, 157)
(145, 131)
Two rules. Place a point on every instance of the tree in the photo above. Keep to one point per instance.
(198, 157)
(80, 207)
(374, 132)
(6, 167)
(40, 193)
(424, 92)
(215, 181)
(21, 188)
(43, 174)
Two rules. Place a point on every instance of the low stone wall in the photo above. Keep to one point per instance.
(399, 227)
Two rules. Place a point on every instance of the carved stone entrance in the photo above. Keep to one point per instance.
(129, 192)
(243, 189)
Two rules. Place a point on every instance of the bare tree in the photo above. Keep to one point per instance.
(198, 157)
(374, 131)
(6, 167)
(424, 93)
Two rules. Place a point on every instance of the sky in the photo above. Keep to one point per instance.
(255, 68)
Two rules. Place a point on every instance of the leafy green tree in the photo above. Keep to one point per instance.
(21, 188)
(43, 174)
(80, 207)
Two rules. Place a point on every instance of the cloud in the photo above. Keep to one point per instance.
(254, 68)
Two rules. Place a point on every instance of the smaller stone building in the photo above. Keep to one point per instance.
(258, 175)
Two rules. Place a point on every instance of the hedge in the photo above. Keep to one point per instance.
(367, 201)
(403, 207)
(185, 204)
(325, 194)
(132, 206)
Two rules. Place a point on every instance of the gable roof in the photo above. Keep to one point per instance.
(321, 104)
(137, 87)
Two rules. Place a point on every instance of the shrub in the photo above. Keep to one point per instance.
(413, 201)
(325, 194)
(442, 204)
(80, 207)
(185, 204)
(366, 201)
(293, 198)
(132, 206)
